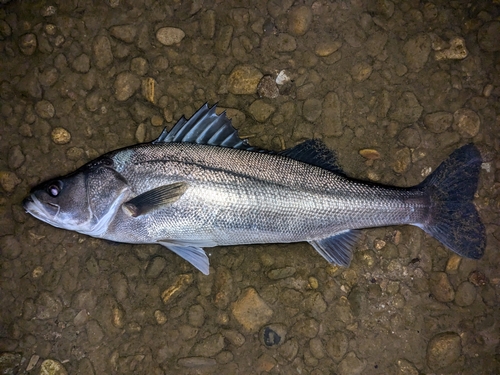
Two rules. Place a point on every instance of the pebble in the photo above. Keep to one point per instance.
(60, 136)
(126, 84)
(410, 137)
(289, 349)
(268, 88)
(81, 64)
(251, 311)
(361, 71)
(52, 367)
(324, 49)
(196, 315)
(11, 248)
(306, 327)
(438, 122)
(443, 350)
(94, 332)
(48, 307)
(265, 363)
(370, 154)
(441, 287)
(28, 44)
(101, 48)
(281, 273)
(299, 20)
(403, 160)
(457, 50)
(125, 33)
(210, 346)
(180, 285)
(467, 122)
(192, 362)
(407, 109)
(317, 348)
(487, 36)
(273, 335)
(45, 109)
(170, 35)
(207, 24)
(466, 294)
(331, 124)
(260, 110)
(243, 80)
(234, 337)
(312, 109)
(9, 181)
(351, 365)
(155, 267)
(417, 50)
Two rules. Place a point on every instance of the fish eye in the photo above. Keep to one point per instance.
(54, 189)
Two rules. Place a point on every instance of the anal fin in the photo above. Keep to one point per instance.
(191, 253)
(337, 249)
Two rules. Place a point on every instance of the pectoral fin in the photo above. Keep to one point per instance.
(338, 248)
(155, 198)
(193, 254)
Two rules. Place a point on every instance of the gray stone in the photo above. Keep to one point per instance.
(155, 267)
(351, 365)
(438, 122)
(376, 43)
(466, 294)
(407, 109)
(193, 362)
(170, 35)
(281, 43)
(207, 24)
(331, 122)
(417, 50)
(443, 350)
(487, 36)
(289, 349)
(410, 137)
(10, 247)
(81, 64)
(312, 109)
(234, 337)
(281, 273)
(316, 347)
(306, 327)
(209, 346)
(260, 110)
(125, 33)
(16, 157)
(126, 84)
(336, 346)
(101, 49)
(224, 38)
(94, 332)
(196, 315)
(48, 307)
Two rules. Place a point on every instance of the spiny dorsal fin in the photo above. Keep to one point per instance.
(205, 127)
(314, 152)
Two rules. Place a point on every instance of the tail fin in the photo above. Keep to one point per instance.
(453, 218)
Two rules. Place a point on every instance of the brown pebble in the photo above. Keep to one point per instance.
(60, 136)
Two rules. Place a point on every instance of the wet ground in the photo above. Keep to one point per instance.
(393, 86)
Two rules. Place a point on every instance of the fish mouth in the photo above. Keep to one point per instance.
(34, 207)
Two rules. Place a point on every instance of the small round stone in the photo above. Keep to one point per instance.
(45, 109)
(170, 35)
(60, 136)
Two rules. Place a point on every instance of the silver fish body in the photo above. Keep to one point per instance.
(201, 186)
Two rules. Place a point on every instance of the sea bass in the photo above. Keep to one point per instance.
(200, 185)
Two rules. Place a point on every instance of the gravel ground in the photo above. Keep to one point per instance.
(393, 86)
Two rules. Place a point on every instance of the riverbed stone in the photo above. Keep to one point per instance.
(170, 35)
(443, 350)
(251, 311)
(244, 79)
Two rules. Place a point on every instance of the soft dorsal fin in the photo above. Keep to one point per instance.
(207, 128)
(314, 152)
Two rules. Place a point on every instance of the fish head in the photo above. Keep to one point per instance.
(82, 201)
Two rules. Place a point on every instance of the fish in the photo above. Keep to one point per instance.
(200, 185)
